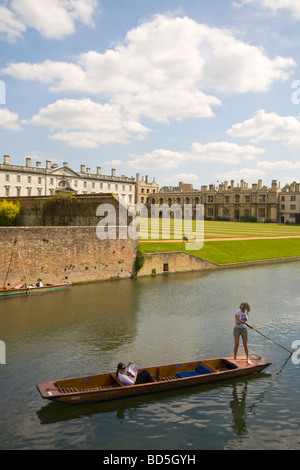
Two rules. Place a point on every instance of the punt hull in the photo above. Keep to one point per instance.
(105, 387)
(15, 292)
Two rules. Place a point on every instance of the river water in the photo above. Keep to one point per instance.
(174, 318)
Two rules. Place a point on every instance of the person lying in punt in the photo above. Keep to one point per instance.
(128, 375)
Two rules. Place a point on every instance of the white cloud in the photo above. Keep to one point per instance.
(269, 127)
(213, 152)
(83, 123)
(280, 165)
(225, 152)
(167, 68)
(9, 120)
(53, 20)
(11, 28)
(242, 174)
(292, 6)
(158, 159)
(190, 177)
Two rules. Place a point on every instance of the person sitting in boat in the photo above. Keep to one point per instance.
(39, 283)
(128, 376)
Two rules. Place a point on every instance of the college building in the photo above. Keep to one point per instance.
(226, 202)
(28, 180)
(233, 202)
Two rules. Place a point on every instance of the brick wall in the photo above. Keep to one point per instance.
(57, 254)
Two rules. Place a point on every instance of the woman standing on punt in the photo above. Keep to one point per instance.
(240, 329)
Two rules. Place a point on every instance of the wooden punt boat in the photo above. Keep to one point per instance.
(26, 290)
(103, 387)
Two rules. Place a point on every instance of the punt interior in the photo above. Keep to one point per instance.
(159, 373)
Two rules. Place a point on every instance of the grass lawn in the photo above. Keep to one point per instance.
(235, 251)
(174, 229)
(225, 252)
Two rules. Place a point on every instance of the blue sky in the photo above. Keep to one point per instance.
(196, 91)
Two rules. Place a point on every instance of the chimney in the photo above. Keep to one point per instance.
(28, 161)
(48, 164)
(113, 172)
(6, 159)
(98, 170)
(38, 164)
(82, 168)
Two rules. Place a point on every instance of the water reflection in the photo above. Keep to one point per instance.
(238, 408)
(89, 329)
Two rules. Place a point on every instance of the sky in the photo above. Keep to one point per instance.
(198, 91)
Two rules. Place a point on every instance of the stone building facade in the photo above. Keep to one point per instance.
(28, 180)
(227, 202)
(289, 205)
(144, 189)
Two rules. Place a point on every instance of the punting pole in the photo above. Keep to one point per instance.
(288, 350)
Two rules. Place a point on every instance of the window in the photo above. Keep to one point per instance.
(166, 267)
(210, 199)
(226, 199)
(18, 178)
(6, 177)
(29, 179)
(293, 198)
(262, 198)
(39, 180)
(282, 207)
(293, 207)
